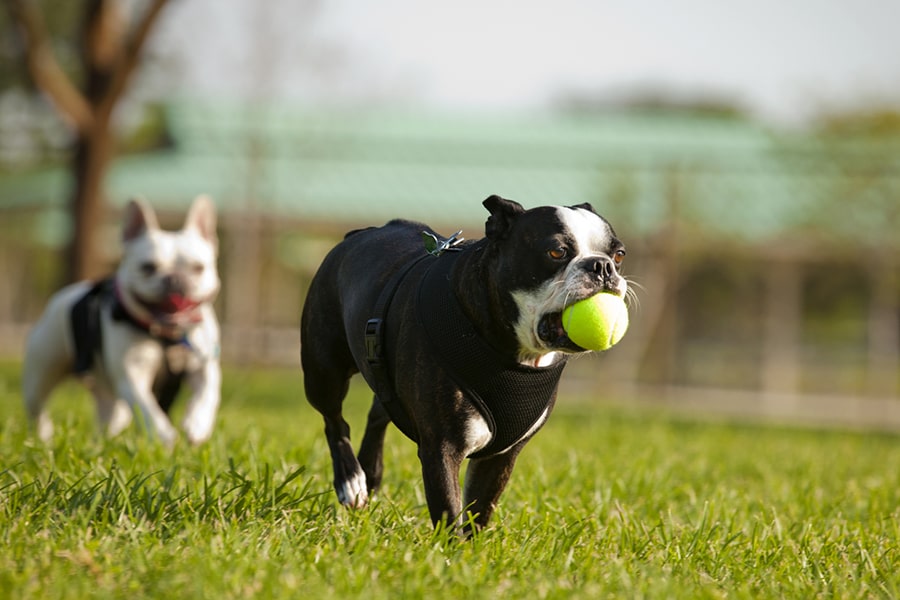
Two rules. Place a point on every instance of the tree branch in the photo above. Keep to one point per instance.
(129, 59)
(45, 70)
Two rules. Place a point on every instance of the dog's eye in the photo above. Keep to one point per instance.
(148, 268)
(197, 268)
(557, 253)
(619, 256)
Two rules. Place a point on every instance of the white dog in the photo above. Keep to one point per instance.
(134, 337)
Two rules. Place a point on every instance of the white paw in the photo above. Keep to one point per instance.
(197, 430)
(166, 435)
(200, 417)
(44, 427)
(119, 419)
(353, 491)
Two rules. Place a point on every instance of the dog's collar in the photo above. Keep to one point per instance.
(170, 326)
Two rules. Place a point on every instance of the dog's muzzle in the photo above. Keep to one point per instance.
(602, 271)
(550, 331)
(598, 274)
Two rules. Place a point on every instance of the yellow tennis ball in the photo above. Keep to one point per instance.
(596, 323)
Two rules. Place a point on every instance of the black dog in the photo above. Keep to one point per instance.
(463, 346)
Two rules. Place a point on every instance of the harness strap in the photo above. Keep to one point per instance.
(85, 321)
(376, 353)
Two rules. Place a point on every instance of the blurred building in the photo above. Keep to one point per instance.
(767, 262)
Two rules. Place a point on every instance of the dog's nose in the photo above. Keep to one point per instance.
(607, 268)
(602, 266)
(173, 284)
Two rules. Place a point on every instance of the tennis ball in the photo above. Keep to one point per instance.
(596, 323)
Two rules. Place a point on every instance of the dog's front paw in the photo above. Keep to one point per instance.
(117, 419)
(352, 491)
(166, 435)
(44, 428)
(197, 431)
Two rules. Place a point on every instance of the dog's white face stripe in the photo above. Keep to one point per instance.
(591, 233)
(593, 237)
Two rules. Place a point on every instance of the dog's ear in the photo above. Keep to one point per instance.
(503, 213)
(586, 206)
(139, 218)
(202, 218)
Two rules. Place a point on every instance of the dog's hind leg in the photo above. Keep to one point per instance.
(37, 384)
(371, 450)
(328, 365)
(49, 356)
(46, 364)
(325, 391)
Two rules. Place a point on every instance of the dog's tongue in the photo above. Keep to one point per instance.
(175, 303)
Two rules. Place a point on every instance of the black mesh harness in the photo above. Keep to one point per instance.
(85, 321)
(88, 337)
(511, 397)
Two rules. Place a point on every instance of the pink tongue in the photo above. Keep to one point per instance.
(176, 303)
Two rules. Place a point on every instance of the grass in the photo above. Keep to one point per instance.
(603, 503)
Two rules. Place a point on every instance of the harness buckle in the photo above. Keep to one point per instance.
(374, 346)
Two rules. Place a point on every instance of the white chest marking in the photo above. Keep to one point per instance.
(478, 434)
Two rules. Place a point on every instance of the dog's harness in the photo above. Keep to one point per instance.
(88, 338)
(511, 397)
(85, 320)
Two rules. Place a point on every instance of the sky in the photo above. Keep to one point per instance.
(783, 61)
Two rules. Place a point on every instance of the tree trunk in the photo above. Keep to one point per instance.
(90, 161)
(102, 31)
(109, 57)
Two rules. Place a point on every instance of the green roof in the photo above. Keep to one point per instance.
(726, 176)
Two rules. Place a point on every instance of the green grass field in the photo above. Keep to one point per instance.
(604, 503)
